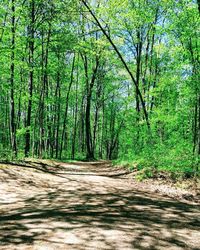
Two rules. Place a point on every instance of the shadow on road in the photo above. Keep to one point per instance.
(113, 218)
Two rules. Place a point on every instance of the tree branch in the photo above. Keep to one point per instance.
(122, 60)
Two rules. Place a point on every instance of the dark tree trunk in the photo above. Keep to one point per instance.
(89, 85)
(57, 120)
(41, 102)
(66, 108)
(90, 153)
(75, 117)
(12, 74)
(31, 30)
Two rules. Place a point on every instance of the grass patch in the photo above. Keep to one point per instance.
(175, 166)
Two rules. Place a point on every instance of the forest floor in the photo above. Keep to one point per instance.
(47, 205)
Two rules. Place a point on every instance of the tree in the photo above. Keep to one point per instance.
(12, 87)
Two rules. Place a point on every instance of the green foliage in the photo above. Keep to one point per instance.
(159, 49)
(145, 173)
(179, 162)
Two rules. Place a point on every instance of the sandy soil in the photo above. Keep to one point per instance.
(46, 205)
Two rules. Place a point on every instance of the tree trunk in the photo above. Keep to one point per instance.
(12, 74)
(89, 86)
(31, 35)
(75, 117)
(66, 108)
(57, 120)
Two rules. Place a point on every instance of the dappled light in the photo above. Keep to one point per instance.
(75, 211)
(99, 125)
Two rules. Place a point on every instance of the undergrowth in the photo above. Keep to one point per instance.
(180, 165)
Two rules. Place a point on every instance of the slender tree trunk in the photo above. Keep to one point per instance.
(75, 117)
(90, 85)
(19, 101)
(102, 126)
(82, 125)
(31, 36)
(75, 130)
(196, 130)
(138, 67)
(49, 143)
(41, 102)
(58, 96)
(66, 108)
(90, 153)
(95, 127)
(12, 87)
(44, 90)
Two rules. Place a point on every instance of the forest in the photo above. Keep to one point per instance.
(99, 124)
(108, 79)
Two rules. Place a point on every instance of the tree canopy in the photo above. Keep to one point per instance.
(100, 79)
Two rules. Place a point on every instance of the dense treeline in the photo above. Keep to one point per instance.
(100, 79)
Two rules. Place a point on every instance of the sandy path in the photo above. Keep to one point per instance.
(78, 206)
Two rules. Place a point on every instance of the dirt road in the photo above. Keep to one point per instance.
(89, 206)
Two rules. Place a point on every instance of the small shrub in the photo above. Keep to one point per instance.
(145, 173)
